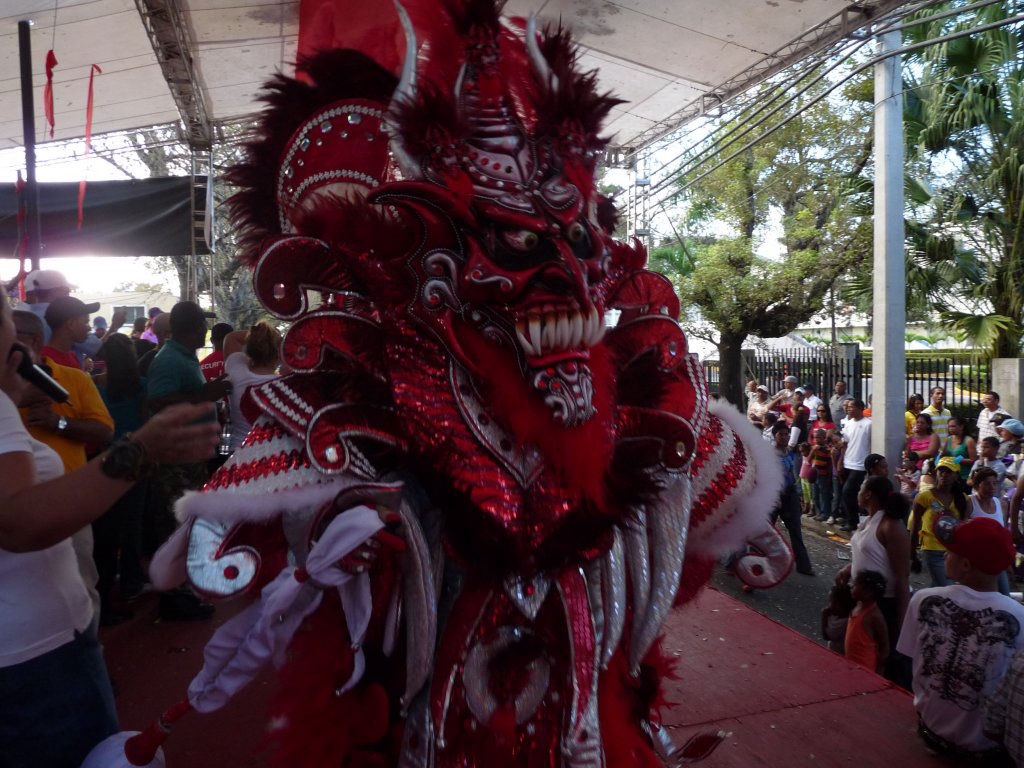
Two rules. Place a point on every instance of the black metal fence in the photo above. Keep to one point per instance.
(810, 366)
(815, 366)
(965, 376)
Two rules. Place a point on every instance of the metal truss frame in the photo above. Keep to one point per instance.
(172, 43)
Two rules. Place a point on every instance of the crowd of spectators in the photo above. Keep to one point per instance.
(139, 428)
(953, 513)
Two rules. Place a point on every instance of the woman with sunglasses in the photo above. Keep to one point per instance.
(946, 498)
(823, 420)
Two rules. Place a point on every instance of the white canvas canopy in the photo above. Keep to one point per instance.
(658, 55)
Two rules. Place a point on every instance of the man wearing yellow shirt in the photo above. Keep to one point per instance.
(930, 505)
(940, 413)
(66, 427)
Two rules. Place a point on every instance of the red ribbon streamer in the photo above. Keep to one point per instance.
(51, 62)
(88, 140)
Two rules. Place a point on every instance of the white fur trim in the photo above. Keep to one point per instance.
(255, 504)
(746, 513)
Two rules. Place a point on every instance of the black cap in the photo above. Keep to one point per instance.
(186, 315)
(66, 308)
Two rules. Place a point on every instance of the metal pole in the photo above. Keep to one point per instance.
(889, 358)
(28, 121)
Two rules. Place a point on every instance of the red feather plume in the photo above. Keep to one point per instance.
(333, 75)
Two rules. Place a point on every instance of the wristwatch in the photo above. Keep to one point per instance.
(62, 424)
(126, 460)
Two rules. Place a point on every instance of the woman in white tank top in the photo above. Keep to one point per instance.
(984, 503)
(882, 544)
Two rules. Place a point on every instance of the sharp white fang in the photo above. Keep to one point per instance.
(588, 328)
(563, 331)
(549, 334)
(599, 329)
(535, 333)
(577, 330)
(524, 342)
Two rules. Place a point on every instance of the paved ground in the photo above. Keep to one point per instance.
(798, 601)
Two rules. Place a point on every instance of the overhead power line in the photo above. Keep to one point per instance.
(705, 159)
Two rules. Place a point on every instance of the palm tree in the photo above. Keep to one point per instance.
(964, 116)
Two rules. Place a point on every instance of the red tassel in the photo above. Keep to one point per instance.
(88, 140)
(51, 62)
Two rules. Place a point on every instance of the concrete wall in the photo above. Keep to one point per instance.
(1008, 381)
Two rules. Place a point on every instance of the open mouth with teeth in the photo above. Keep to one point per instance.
(548, 330)
(556, 340)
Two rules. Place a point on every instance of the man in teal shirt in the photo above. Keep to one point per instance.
(175, 377)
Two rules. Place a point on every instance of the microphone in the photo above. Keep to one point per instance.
(38, 377)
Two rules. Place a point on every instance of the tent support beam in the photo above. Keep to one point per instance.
(172, 43)
(28, 122)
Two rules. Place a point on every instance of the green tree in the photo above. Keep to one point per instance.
(795, 187)
(937, 265)
(965, 118)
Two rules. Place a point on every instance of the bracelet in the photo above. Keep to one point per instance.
(126, 459)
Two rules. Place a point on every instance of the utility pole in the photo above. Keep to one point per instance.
(889, 375)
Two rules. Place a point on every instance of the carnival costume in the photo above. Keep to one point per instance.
(543, 486)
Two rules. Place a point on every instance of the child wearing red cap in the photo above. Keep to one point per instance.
(961, 639)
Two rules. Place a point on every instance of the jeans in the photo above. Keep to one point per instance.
(56, 707)
(789, 511)
(823, 496)
(837, 497)
(935, 562)
(797, 459)
(854, 480)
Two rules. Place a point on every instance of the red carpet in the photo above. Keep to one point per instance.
(785, 700)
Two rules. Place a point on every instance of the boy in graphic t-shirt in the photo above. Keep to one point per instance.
(961, 639)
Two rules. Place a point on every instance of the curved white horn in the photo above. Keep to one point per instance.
(540, 64)
(405, 92)
(406, 89)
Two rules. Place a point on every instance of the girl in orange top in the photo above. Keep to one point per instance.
(867, 639)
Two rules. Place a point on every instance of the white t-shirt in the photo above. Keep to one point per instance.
(812, 402)
(43, 600)
(961, 642)
(857, 435)
(236, 366)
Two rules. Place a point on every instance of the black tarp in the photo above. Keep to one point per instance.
(138, 217)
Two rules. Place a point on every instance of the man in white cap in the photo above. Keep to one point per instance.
(785, 395)
(41, 287)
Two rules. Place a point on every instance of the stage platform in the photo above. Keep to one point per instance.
(784, 700)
